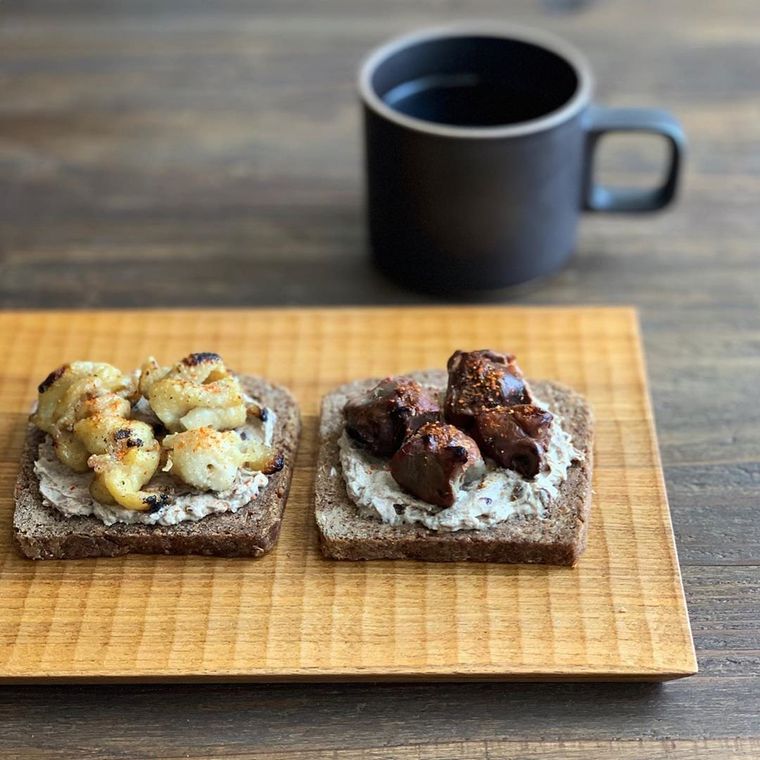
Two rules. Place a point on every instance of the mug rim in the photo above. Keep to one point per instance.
(565, 50)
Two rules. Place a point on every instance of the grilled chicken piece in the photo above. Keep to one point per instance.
(481, 380)
(197, 392)
(383, 417)
(515, 437)
(209, 459)
(436, 462)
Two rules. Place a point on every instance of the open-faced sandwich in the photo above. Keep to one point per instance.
(477, 465)
(188, 459)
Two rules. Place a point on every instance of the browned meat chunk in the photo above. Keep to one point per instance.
(386, 415)
(515, 437)
(435, 462)
(481, 380)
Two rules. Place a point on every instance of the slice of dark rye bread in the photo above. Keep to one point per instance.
(558, 539)
(44, 533)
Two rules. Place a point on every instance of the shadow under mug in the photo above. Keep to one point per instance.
(480, 153)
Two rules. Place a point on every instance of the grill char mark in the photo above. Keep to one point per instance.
(52, 378)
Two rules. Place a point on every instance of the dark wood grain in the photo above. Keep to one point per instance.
(193, 153)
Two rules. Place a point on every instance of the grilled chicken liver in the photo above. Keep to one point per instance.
(435, 462)
(515, 437)
(481, 380)
(386, 415)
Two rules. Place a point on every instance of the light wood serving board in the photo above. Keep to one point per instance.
(619, 614)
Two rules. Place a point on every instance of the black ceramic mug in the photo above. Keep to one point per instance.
(480, 152)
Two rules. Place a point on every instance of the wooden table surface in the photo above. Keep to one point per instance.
(194, 153)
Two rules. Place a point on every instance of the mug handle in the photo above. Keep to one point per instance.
(598, 122)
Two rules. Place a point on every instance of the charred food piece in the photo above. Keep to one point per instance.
(383, 417)
(481, 380)
(435, 462)
(515, 437)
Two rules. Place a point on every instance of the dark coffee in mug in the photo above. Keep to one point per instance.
(479, 156)
(483, 93)
(464, 100)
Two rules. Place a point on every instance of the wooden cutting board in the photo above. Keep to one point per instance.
(292, 615)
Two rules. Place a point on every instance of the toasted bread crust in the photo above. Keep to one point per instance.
(557, 539)
(42, 532)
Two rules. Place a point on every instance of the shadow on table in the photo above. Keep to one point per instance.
(188, 717)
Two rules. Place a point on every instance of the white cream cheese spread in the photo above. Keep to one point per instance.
(492, 499)
(68, 491)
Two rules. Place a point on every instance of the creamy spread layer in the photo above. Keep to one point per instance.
(486, 502)
(68, 491)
